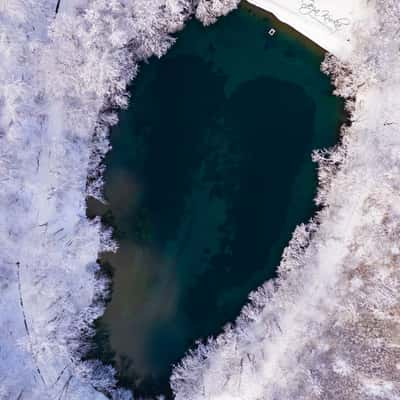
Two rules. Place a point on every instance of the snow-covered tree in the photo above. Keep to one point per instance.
(329, 326)
(208, 11)
(64, 69)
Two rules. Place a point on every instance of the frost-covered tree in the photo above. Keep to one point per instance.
(329, 326)
(64, 69)
(208, 11)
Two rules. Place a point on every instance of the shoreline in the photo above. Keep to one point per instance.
(281, 26)
(329, 26)
(314, 49)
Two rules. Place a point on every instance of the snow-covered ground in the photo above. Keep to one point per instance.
(60, 75)
(327, 328)
(329, 23)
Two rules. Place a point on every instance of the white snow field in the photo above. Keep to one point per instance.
(331, 24)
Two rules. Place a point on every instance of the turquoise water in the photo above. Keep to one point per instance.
(209, 174)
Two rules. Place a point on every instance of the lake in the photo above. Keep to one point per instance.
(209, 174)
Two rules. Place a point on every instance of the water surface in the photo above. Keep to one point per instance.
(209, 174)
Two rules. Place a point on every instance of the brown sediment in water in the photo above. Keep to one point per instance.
(151, 297)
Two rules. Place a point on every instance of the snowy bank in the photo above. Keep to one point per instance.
(328, 328)
(62, 76)
(332, 24)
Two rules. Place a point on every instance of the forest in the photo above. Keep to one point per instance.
(327, 328)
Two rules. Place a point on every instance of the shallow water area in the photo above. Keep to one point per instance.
(209, 174)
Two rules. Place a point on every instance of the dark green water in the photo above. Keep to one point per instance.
(209, 174)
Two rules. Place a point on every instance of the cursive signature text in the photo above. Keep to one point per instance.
(309, 7)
